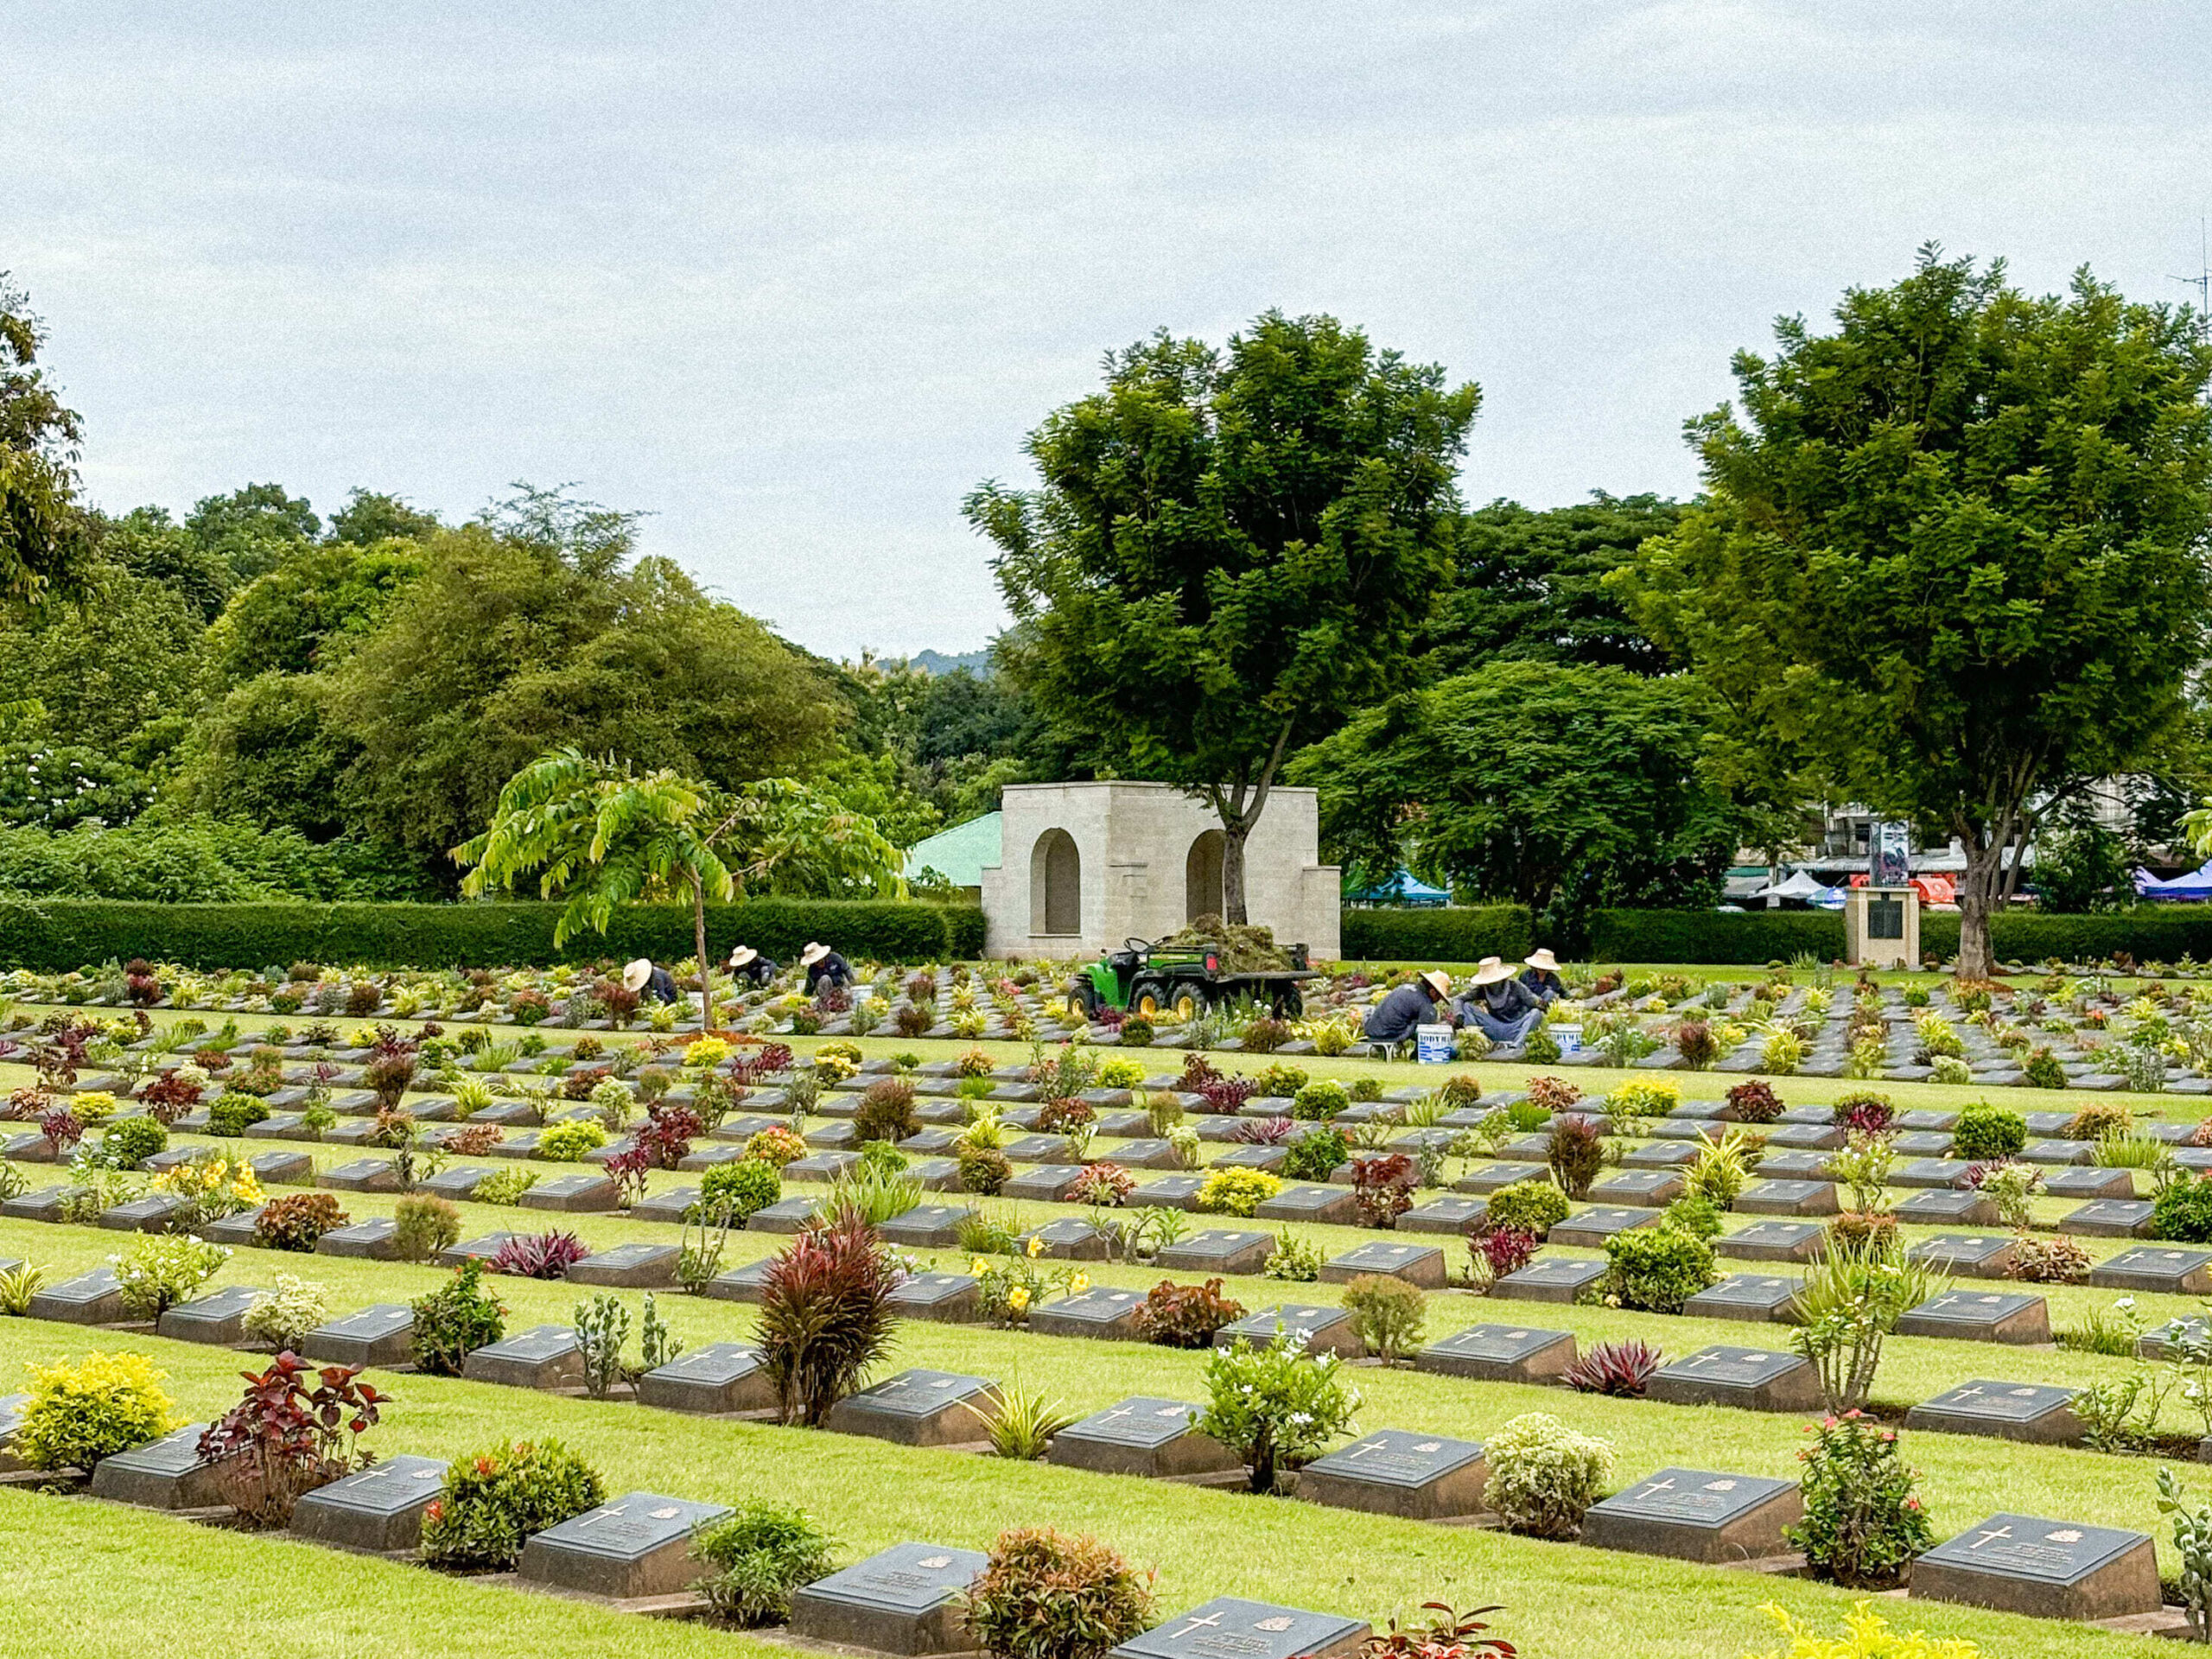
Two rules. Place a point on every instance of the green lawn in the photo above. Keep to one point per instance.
(125, 1578)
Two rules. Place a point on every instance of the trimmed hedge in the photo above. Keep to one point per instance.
(56, 934)
(1448, 933)
(2146, 932)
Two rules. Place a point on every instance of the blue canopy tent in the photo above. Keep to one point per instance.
(1401, 889)
(2195, 887)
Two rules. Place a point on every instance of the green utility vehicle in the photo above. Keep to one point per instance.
(1165, 983)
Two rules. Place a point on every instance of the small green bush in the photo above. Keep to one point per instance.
(104, 1404)
(1543, 1476)
(422, 1225)
(2183, 1213)
(1985, 1132)
(1320, 1101)
(567, 1142)
(128, 1143)
(1657, 1269)
(756, 1556)
(1533, 1206)
(232, 1115)
(454, 1320)
(1236, 1191)
(1043, 1594)
(493, 1501)
(1276, 1407)
(731, 1194)
(1316, 1154)
(1387, 1314)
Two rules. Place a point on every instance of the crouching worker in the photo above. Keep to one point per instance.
(1394, 1019)
(824, 967)
(655, 984)
(1499, 1006)
(749, 965)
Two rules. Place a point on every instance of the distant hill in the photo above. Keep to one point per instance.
(977, 663)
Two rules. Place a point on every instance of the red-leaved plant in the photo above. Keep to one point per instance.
(169, 1097)
(539, 1255)
(1450, 1634)
(296, 1429)
(1382, 1187)
(825, 1316)
(1496, 1251)
(1615, 1367)
(1264, 1131)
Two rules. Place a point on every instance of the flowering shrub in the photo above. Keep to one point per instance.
(1276, 1407)
(215, 1185)
(1862, 1525)
(1011, 1291)
(491, 1502)
(164, 1270)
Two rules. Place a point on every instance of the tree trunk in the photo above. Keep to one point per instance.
(1978, 891)
(1232, 871)
(699, 937)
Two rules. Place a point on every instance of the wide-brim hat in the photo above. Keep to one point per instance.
(1491, 972)
(1488, 961)
(813, 953)
(742, 954)
(635, 975)
(1542, 959)
(1438, 982)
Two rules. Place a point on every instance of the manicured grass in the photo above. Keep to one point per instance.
(128, 1584)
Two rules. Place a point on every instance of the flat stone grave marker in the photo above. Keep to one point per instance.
(1071, 1238)
(515, 1144)
(628, 1267)
(1146, 1154)
(711, 1157)
(1759, 1298)
(1449, 1214)
(28, 1146)
(745, 1283)
(572, 1194)
(2090, 1183)
(1754, 1379)
(927, 1226)
(483, 1248)
(639, 1544)
(1227, 1627)
(218, 1318)
(381, 1336)
(1957, 1209)
(1796, 1167)
(1322, 1204)
(460, 1183)
(1394, 1471)
(902, 1600)
(1665, 1154)
(2109, 1219)
(1798, 1116)
(1417, 1264)
(721, 1379)
(283, 1168)
(94, 1298)
(1940, 1174)
(1220, 1250)
(2053, 1124)
(43, 1204)
(1787, 1198)
(1269, 1159)
(1646, 1188)
(164, 1474)
(1925, 1118)
(362, 1175)
(832, 1137)
(1143, 1436)
(784, 1216)
(1500, 1353)
(1528, 1149)
(1976, 1255)
(1125, 1125)
(1920, 1143)
(667, 1207)
(156, 1213)
(2011, 1411)
(1101, 1311)
(823, 1167)
(1039, 1150)
(1487, 1179)
(946, 1298)
(1317, 1330)
(2052, 1569)
(935, 1139)
(919, 1408)
(1551, 1279)
(1979, 1316)
(1806, 1137)
(1169, 1193)
(543, 1356)
(1590, 1228)
(2182, 1273)
(2055, 1152)
(1772, 1240)
(379, 1509)
(12, 1407)
(1693, 1515)
(1046, 1183)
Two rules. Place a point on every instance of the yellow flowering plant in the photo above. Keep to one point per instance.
(1866, 1635)
(1014, 1290)
(215, 1184)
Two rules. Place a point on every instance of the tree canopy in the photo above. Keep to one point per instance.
(1952, 559)
(1230, 551)
(42, 531)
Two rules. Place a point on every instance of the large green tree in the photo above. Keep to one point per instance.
(1953, 556)
(1230, 551)
(1552, 786)
(42, 542)
(1530, 583)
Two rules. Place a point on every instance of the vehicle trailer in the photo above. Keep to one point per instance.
(1160, 981)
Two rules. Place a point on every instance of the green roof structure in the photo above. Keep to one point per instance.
(958, 854)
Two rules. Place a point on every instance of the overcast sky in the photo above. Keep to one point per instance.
(793, 278)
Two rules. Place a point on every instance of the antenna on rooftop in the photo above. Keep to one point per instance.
(2202, 282)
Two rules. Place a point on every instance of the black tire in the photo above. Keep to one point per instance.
(1150, 998)
(1086, 996)
(1192, 992)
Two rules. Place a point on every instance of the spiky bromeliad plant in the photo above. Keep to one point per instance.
(825, 1317)
(1615, 1367)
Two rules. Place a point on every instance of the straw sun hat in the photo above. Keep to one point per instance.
(813, 953)
(635, 975)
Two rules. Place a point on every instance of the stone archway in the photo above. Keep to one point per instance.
(1202, 877)
(1056, 886)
